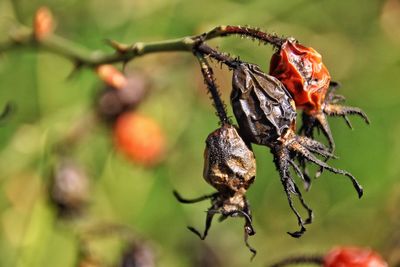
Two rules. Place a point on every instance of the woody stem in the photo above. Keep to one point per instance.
(23, 37)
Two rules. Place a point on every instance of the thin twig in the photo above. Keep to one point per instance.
(23, 37)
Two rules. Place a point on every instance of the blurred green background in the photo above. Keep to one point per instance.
(360, 44)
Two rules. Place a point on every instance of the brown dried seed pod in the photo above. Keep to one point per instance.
(230, 167)
(261, 104)
(266, 114)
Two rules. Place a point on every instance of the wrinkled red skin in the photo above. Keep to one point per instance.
(302, 72)
(353, 257)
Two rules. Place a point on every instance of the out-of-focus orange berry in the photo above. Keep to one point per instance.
(140, 138)
(112, 76)
(43, 23)
(353, 257)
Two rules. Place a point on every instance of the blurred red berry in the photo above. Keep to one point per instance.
(353, 257)
(112, 76)
(43, 23)
(302, 72)
(140, 138)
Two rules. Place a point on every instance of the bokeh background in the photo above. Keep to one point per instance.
(360, 44)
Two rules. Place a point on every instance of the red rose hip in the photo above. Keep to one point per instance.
(307, 79)
(301, 70)
(353, 257)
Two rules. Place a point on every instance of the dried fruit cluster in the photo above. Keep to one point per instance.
(264, 106)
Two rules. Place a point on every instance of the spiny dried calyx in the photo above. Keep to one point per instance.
(264, 112)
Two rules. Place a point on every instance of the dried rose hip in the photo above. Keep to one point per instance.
(307, 79)
(301, 70)
(230, 167)
(266, 115)
(353, 257)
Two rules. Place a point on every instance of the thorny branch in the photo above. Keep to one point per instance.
(23, 37)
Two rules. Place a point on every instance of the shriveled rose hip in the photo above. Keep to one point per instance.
(140, 138)
(301, 70)
(307, 79)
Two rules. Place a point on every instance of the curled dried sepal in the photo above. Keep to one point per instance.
(43, 24)
(112, 76)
